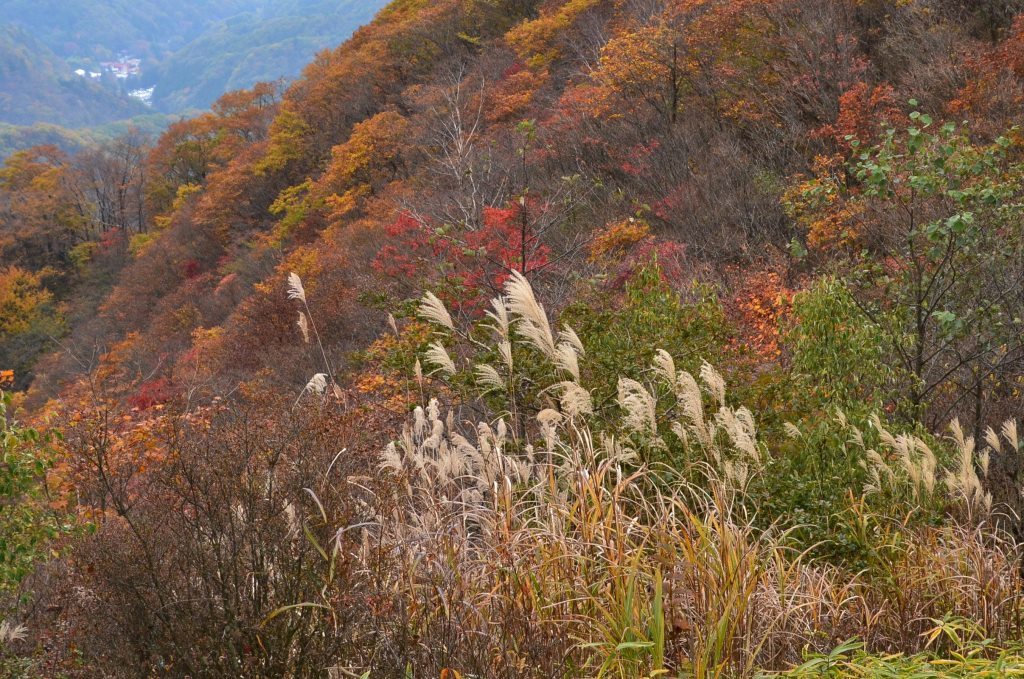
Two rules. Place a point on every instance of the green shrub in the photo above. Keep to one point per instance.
(837, 354)
(26, 525)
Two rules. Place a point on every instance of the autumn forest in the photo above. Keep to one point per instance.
(534, 338)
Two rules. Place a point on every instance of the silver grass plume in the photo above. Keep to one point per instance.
(1009, 432)
(857, 436)
(574, 400)
(505, 349)
(665, 367)
(391, 459)
(569, 336)
(887, 438)
(533, 321)
(433, 310)
(437, 355)
(688, 393)
(9, 632)
(714, 382)
(549, 421)
(498, 313)
(567, 359)
(992, 440)
(964, 480)
(739, 426)
(840, 417)
(295, 289)
(880, 467)
(317, 385)
(488, 378)
(927, 462)
(639, 406)
(958, 434)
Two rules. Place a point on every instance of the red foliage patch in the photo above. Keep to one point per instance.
(478, 261)
(760, 301)
(862, 111)
(152, 393)
(191, 269)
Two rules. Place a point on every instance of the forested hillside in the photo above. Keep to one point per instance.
(191, 51)
(270, 41)
(533, 338)
(77, 27)
(35, 85)
(20, 137)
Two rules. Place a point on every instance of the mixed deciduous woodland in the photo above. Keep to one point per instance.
(519, 338)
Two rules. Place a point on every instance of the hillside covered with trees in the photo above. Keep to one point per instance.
(191, 51)
(36, 85)
(271, 40)
(533, 338)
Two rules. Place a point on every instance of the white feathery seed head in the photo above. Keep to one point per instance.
(569, 336)
(317, 384)
(639, 406)
(714, 382)
(533, 323)
(9, 632)
(1009, 432)
(437, 355)
(505, 350)
(488, 378)
(295, 289)
(498, 314)
(433, 310)
(567, 359)
(992, 439)
(574, 400)
(665, 367)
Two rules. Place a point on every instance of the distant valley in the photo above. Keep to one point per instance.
(75, 70)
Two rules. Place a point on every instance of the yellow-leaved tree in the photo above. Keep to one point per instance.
(29, 317)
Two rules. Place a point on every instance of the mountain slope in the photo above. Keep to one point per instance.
(192, 51)
(37, 86)
(272, 43)
(695, 264)
(100, 28)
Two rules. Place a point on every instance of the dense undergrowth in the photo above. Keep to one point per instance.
(718, 374)
(521, 526)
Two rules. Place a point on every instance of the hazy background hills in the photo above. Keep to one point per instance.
(192, 51)
(38, 86)
(270, 40)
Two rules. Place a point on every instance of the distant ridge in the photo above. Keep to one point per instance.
(192, 51)
(37, 86)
